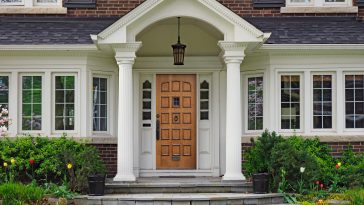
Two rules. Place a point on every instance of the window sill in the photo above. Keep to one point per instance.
(32, 10)
(347, 9)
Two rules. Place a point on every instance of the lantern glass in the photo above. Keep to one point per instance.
(178, 53)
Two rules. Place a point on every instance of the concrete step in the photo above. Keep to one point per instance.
(176, 185)
(181, 199)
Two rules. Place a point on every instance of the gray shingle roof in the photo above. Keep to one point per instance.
(285, 30)
(311, 30)
(61, 30)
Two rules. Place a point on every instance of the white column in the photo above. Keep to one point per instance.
(125, 56)
(233, 57)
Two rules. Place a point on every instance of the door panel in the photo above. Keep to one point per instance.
(176, 122)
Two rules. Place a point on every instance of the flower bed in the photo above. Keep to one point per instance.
(305, 167)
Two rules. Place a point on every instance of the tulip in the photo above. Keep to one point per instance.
(302, 169)
(69, 166)
(31, 162)
(12, 161)
(318, 182)
(5, 164)
(322, 186)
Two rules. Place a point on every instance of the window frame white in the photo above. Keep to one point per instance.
(345, 73)
(333, 100)
(108, 103)
(20, 103)
(302, 100)
(76, 103)
(246, 104)
(33, 3)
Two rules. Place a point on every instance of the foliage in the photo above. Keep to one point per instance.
(356, 196)
(259, 156)
(16, 193)
(63, 190)
(50, 157)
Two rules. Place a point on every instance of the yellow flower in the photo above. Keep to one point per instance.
(12, 161)
(339, 164)
(5, 164)
(69, 166)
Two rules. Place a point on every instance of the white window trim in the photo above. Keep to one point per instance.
(246, 104)
(53, 101)
(333, 100)
(345, 73)
(20, 110)
(22, 3)
(302, 111)
(108, 104)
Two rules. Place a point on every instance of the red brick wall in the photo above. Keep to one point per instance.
(117, 8)
(109, 152)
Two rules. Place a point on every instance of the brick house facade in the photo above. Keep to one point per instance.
(93, 70)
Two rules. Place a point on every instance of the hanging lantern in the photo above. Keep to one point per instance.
(179, 48)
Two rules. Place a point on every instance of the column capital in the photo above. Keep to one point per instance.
(232, 51)
(125, 52)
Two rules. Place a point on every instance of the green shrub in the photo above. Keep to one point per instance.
(51, 156)
(16, 193)
(356, 196)
(258, 157)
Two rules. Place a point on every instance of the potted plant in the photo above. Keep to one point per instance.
(258, 159)
(96, 184)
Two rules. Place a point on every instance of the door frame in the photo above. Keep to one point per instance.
(141, 72)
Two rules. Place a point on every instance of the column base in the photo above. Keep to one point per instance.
(233, 177)
(124, 178)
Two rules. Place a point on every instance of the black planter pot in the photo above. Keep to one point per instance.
(261, 183)
(96, 184)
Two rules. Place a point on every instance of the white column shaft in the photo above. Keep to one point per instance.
(233, 122)
(125, 123)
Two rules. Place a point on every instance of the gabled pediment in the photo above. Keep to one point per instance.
(233, 27)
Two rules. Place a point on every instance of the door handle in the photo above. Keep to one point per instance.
(157, 128)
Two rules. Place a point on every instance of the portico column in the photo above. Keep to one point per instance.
(125, 57)
(233, 55)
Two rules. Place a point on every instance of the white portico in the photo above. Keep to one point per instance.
(210, 136)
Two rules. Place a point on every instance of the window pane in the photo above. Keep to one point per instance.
(322, 102)
(100, 104)
(354, 101)
(204, 100)
(31, 102)
(65, 102)
(255, 103)
(290, 101)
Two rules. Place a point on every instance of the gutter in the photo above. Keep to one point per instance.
(59, 47)
(312, 46)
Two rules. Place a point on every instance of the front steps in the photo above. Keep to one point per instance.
(182, 199)
(178, 185)
(179, 191)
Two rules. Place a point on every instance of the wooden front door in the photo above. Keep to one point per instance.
(176, 122)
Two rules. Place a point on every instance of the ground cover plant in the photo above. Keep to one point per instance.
(306, 168)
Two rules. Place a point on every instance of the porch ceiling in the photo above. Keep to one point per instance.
(200, 37)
